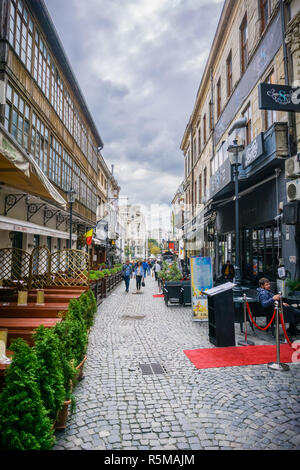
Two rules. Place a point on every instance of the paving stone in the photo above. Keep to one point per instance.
(224, 408)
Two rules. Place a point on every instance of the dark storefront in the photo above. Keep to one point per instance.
(265, 242)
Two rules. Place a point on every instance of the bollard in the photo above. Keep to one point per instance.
(278, 365)
(245, 342)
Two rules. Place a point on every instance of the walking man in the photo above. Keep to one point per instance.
(126, 272)
(156, 269)
(145, 267)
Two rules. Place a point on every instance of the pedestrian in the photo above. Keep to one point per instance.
(149, 267)
(139, 276)
(156, 269)
(267, 298)
(228, 271)
(126, 272)
(145, 267)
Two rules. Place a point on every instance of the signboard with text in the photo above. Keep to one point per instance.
(201, 280)
(279, 97)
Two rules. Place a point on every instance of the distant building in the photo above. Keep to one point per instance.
(134, 224)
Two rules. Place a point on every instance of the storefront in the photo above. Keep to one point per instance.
(262, 192)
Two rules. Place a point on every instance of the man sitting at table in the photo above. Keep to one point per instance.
(267, 298)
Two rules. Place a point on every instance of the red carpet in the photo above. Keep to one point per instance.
(158, 295)
(238, 356)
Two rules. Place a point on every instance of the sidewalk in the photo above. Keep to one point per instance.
(119, 407)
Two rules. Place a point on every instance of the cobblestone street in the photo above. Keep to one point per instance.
(119, 407)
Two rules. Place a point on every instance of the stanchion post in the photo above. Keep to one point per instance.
(278, 365)
(245, 342)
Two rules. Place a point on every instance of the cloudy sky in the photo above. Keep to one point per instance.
(139, 64)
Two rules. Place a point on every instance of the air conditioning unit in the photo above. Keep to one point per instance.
(292, 167)
(293, 190)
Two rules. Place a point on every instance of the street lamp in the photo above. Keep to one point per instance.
(235, 156)
(71, 199)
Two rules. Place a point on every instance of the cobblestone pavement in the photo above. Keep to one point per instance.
(249, 407)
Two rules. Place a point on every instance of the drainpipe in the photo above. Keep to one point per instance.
(291, 116)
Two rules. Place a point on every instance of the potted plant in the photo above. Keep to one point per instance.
(293, 286)
(24, 421)
(49, 370)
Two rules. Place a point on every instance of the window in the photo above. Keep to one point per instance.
(16, 119)
(200, 189)
(244, 44)
(204, 129)
(219, 97)
(229, 74)
(264, 10)
(41, 68)
(210, 116)
(199, 142)
(56, 91)
(204, 181)
(269, 115)
(66, 175)
(55, 161)
(20, 32)
(247, 114)
(39, 143)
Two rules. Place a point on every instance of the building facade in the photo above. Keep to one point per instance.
(133, 221)
(256, 42)
(49, 143)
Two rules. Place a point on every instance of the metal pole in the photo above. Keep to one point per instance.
(245, 342)
(278, 365)
(71, 204)
(237, 224)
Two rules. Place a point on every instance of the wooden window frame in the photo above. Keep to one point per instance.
(244, 44)
(219, 98)
(204, 129)
(229, 74)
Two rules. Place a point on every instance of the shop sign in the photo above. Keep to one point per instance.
(279, 97)
(221, 178)
(201, 280)
(253, 151)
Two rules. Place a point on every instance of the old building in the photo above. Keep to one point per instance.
(256, 42)
(49, 143)
(134, 222)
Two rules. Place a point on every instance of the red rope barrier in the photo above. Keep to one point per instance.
(251, 318)
(284, 330)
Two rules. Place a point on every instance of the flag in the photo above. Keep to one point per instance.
(89, 236)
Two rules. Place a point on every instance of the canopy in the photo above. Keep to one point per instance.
(20, 170)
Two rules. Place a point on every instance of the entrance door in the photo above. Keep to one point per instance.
(35, 260)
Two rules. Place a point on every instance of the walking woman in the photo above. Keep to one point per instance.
(139, 276)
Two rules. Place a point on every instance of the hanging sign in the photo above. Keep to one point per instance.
(201, 280)
(278, 97)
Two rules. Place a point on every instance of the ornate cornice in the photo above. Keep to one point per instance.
(292, 37)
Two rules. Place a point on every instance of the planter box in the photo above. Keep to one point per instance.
(62, 416)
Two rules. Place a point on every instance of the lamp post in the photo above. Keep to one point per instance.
(71, 199)
(235, 155)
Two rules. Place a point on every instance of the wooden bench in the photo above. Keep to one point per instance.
(49, 298)
(31, 310)
(24, 327)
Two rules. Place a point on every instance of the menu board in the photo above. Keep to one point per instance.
(201, 280)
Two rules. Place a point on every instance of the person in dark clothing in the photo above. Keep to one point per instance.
(267, 298)
(228, 271)
(126, 272)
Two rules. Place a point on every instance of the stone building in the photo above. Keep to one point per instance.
(49, 143)
(256, 42)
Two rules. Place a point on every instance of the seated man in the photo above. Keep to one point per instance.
(267, 298)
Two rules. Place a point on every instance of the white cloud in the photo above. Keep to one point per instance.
(139, 64)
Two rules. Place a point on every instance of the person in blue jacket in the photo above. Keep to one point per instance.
(267, 298)
(145, 267)
(126, 272)
(139, 276)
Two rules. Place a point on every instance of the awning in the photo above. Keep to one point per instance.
(17, 225)
(19, 170)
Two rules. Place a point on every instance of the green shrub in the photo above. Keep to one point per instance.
(61, 330)
(50, 369)
(24, 424)
(89, 308)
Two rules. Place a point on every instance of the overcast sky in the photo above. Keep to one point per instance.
(139, 64)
